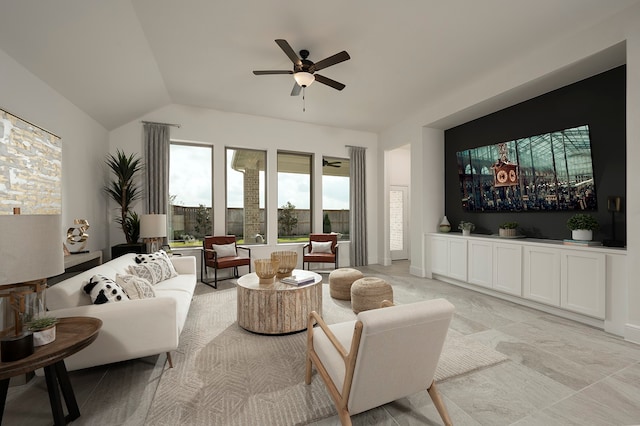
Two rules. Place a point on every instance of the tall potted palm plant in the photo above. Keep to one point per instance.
(124, 190)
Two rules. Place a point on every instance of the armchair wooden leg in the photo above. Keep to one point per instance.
(169, 360)
(439, 403)
(345, 418)
(307, 376)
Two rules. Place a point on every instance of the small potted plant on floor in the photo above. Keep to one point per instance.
(582, 226)
(466, 228)
(44, 330)
(508, 229)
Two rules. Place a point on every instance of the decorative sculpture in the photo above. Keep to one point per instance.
(77, 235)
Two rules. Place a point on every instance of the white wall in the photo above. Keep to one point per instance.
(224, 129)
(632, 331)
(400, 166)
(84, 145)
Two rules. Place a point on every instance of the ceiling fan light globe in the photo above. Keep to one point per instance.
(304, 79)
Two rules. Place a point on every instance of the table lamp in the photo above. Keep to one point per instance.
(153, 228)
(30, 252)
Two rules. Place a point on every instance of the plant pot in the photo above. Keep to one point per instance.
(44, 336)
(466, 232)
(582, 234)
(507, 232)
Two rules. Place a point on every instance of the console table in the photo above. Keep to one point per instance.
(75, 263)
(72, 335)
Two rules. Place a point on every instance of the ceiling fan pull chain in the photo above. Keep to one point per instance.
(304, 108)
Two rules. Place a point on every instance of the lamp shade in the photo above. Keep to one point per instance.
(304, 79)
(153, 226)
(30, 247)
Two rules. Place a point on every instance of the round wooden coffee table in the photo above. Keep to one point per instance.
(277, 308)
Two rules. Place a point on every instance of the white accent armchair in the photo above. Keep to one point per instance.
(384, 355)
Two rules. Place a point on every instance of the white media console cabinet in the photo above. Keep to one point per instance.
(586, 284)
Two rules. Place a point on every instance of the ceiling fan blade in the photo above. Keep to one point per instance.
(332, 83)
(331, 60)
(273, 72)
(296, 89)
(286, 48)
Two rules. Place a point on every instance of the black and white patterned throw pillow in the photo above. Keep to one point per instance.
(103, 289)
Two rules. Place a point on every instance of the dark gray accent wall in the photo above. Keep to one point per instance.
(598, 101)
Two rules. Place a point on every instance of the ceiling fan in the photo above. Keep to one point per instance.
(304, 69)
(326, 163)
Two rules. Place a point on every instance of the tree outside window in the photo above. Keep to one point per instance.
(294, 195)
(190, 193)
(335, 196)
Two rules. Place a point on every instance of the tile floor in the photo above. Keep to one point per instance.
(559, 372)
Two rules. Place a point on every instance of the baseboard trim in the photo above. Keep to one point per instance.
(418, 272)
(574, 316)
(632, 333)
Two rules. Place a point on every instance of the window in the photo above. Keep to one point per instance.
(246, 217)
(335, 196)
(190, 194)
(294, 197)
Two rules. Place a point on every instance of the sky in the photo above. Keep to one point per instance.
(189, 180)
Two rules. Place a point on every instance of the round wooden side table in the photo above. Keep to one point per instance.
(72, 335)
(277, 308)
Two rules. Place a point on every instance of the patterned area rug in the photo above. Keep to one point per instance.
(225, 375)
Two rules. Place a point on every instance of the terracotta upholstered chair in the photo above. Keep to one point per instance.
(384, 355)
(221, 252)
(321, 248)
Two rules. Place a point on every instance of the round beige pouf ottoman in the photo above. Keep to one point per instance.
(340, 282)
(368, 292)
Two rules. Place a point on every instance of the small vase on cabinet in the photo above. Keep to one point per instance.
(444, 226)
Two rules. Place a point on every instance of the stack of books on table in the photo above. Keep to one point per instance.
(582, 243)
(293, 280)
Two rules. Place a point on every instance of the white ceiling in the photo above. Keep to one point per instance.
(120, 59)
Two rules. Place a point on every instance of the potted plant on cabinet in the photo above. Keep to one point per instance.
(466, 228)
(508, 229)
(124, 190)
(582, 226)
(44, 330)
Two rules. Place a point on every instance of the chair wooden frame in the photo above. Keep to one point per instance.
(341, 397)
(237, 261)
(309, 257)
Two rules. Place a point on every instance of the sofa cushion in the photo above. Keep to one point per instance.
(150, 271)
(135, 287)
(102, 289)
(162, 258)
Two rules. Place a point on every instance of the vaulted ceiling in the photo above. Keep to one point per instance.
(120, 59)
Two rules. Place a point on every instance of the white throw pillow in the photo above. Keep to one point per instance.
(135, 287)
(151, 271)
(320, 247)
(103, 289)
(161, 257)
(225, 250)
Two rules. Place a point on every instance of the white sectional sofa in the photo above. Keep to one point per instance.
(133, 328)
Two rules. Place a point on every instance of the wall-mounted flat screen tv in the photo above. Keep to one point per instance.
(548, 172)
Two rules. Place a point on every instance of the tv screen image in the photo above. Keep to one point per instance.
(548, 172)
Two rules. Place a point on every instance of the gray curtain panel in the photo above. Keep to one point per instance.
(156, 152)
(358, 253)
